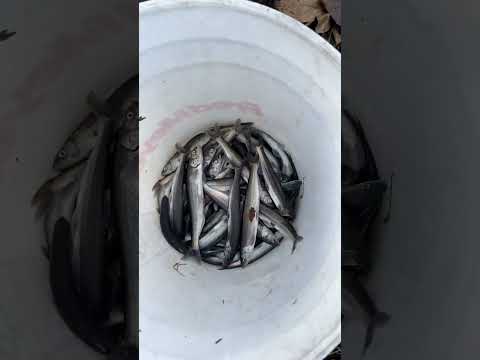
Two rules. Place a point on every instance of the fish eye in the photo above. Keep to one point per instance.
(62, 154)
(130, 115)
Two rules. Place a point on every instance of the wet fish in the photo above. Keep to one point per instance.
(199, 140)
(177, 197)
(224, 174)
(209, 153)
(267, 235)
(278, 150)
(234, 220)
(274, 220)
(224, 184)
(219, 197)
(172, 164)
(217, 165)
(79, 144)
(160, 184)
(273, 184)
(213, 220)
(43, 197)
(214, 235)
(273, 161)
(258, 252)
(196, 196)
(171, 237)
(265, 197)
(250, 214)
(293, 185)
(235, 159)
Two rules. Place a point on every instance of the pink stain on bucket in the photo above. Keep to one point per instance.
(189, 112)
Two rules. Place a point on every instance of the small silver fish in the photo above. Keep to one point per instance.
(273, 183)
(209, 153)
(273, 161)
(196, 196)
(250, 214)
(213, 220)
(223, 184)
(214, 235)
(225, 174)
(267, 235)
(219, 197)
(199, 140)
(172, 164)
(278, 150)
(264, 195)
(234, 220)
(274, 220)
(217, 165)
(163, 188)
(235, 159)
(258, 252)
(293, 185)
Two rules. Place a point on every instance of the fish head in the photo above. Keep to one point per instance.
(67, 156)
(196, 157)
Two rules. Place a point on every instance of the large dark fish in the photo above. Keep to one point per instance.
(69, 305)
(91, 224)
(362, 194)
(125, 186)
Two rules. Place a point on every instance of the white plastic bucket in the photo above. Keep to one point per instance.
(58, 55)
(206, 62)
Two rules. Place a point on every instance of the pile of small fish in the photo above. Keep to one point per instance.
(91, 224)
(229, 196)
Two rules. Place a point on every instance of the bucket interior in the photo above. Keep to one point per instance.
(286, 306)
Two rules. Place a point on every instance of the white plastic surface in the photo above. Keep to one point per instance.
(60, 53)
(206, 62)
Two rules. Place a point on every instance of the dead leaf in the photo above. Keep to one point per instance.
(337, 37)
(324, 24)
(334, 8)
(304, 11)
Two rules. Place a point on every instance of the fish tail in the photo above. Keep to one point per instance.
(378, 320)
(295, 242)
